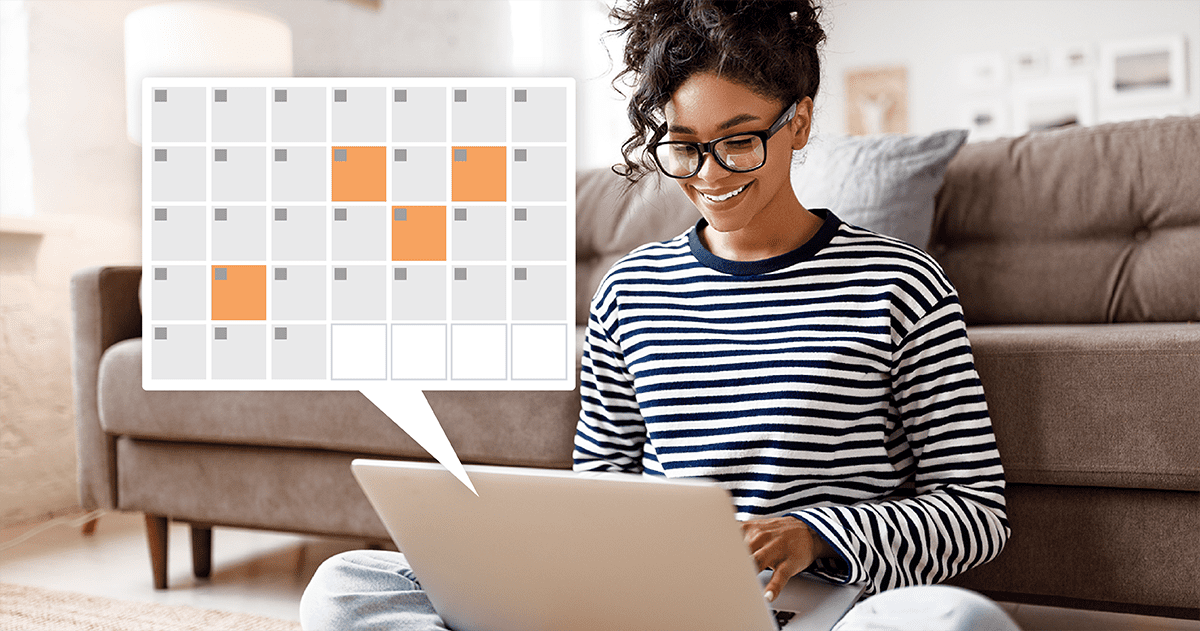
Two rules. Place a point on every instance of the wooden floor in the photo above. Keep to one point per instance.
(265, 573)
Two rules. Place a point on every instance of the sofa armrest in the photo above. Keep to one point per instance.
(104, 311)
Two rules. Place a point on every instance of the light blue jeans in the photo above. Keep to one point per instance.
(375, 590)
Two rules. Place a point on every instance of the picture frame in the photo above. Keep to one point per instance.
(986, 72)
(1052, 103)
(985, 119)
(1029, 63)
(1143, 71)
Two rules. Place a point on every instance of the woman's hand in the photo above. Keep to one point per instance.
(784, 544)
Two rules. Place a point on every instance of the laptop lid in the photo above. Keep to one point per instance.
(553, 550)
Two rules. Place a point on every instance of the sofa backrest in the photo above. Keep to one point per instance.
(1081, 225)
(611, 220)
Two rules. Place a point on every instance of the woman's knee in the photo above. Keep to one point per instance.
(928, 607)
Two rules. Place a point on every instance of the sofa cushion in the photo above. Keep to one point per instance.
(1096, 405)
(503, 428)
(1080, 225)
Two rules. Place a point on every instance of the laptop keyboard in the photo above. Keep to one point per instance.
(783, 617)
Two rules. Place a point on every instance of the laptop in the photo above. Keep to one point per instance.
(551, 550)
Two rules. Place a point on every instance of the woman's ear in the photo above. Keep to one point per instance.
(802, 123)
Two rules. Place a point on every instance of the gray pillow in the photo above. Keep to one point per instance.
(882, 183)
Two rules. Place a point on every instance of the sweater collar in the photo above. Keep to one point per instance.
(765, 266)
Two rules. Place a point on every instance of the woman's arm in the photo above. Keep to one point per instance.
(611, 432)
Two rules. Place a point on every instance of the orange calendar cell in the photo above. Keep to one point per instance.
(359, 174)
(239, 292)
(419, 233)
(478, 174)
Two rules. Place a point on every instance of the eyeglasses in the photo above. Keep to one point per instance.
(741, 152)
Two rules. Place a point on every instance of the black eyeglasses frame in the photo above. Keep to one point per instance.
(707, 147)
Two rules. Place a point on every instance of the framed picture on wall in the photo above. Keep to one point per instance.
(986, 119)
(1143, 71)
(1053, 103)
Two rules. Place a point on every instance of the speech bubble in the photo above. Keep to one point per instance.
(385, 235)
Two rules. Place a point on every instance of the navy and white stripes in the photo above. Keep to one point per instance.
(834, 383)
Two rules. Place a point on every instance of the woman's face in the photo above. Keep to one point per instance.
(706, 107)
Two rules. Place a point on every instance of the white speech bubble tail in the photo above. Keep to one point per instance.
(408, 408)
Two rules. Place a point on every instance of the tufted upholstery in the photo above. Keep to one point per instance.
(1083, 225)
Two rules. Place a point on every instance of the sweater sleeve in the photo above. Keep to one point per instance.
(611, 432)
(954, 516)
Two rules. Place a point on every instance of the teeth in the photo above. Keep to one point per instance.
(726, 196)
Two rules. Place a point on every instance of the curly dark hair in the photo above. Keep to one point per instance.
(769, 46)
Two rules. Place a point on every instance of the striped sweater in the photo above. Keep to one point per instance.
(834, 383)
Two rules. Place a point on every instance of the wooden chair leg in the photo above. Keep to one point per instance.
(89, 528)
(201, 551)
(156, 537)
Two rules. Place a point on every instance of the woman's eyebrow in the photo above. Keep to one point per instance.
(733, 122)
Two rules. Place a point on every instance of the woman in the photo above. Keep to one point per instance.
(819, 372)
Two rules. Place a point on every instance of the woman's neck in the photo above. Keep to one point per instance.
(778, 229)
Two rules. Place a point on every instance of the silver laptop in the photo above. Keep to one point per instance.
(561, 551)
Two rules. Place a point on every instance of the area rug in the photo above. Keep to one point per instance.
(35, 609)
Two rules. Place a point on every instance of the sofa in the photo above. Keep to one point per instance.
(1076, 254)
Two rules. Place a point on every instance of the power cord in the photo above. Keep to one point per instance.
(58, 521)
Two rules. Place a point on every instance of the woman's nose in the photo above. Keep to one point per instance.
(711, 170)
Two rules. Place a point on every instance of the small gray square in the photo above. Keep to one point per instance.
(401, 155)
(518, 96)
(281, 332)
(400, 273)
(520, 214)
(339, 155)
(400, 214)
(220, 333)
(160, 332)
(519, 155)
(222, 273)
(160, 214)
(460, 214)
(280, 214)
(220, 214)
(160, 96)
(460, 155)
(281, 96)
(160, 155)
(520, 273)
(401, 96)
(221, 155)
(221, 96)
(280, 273)
(281, 155)
(339, 96)
(460, 96)
(460, 273)
(339, 214)
(160, 273)
(339, 273)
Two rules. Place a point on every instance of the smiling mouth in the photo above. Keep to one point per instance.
(721, 198)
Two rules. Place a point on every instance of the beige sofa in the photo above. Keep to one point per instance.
(1076, 254)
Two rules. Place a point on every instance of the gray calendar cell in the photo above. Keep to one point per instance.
(239, 115)
(418, 174)
(419, 114)
(360, 233)
(177, 115)
(177, 351)
(478, 293)
(539, 292)
(298, 114)
(479, 115)
(360, 292)
(298, 351)
(177, 234)
(178, 174)
(239, 352)
(179, 292)
(239, 233)
(541, 175)
(539, 115)
(298, 233)
(240, 176)
(477, 233)
(419, 292)
(299, 174)
(298, 292)
(361, 115)
(539, 233)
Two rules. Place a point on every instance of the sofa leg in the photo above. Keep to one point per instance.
(156, 536)
(89, 528)
(201, 551)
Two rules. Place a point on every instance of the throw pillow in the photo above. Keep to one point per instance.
(882, 183)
